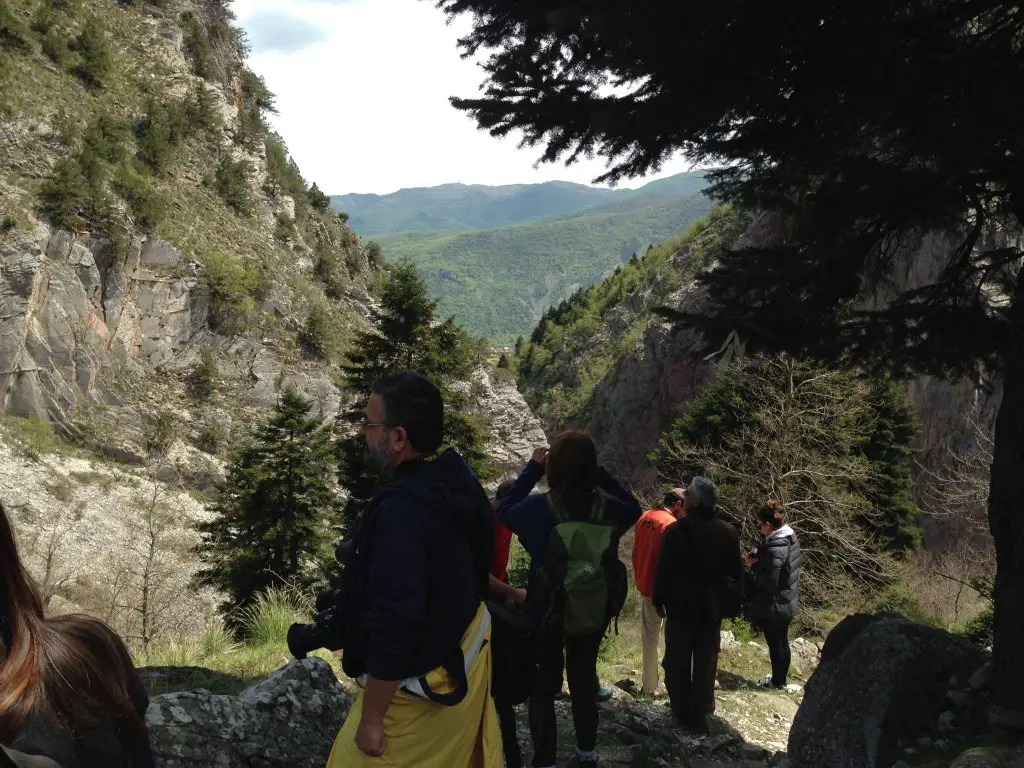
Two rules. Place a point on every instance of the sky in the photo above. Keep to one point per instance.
(362, 93)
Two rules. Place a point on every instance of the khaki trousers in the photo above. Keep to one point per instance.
(650, 632)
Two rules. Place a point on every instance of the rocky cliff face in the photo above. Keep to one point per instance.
(656, 369)
(514, 430)
(153, 344)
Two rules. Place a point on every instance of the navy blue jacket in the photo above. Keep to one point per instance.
(530, 518)
(419, 569)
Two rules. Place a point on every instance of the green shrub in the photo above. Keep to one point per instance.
(14, 33)
(321, 336)
(230, 283)
(212, 437)
(161, 433)
(328, 270)
(203, 377)
(740, 628)
(55, 47)
(105, 139)
(980, 629)
(255, 92)
(159, 131)
(318, 199)
(284, 230)
(897, 598)
(282, 172)
(375, 254)
(34, 436)
(232, 182)
(95, 58)
(147, 205)
(65, 194)
(197, 44)
(8, 224)
(251, 128)
(201, 111)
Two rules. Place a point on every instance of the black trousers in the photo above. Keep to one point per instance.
(776, 635)
(577, 656)
(509, 738)
(691, 664)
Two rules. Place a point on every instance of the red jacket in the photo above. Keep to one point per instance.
(502, 544)
(646, 543)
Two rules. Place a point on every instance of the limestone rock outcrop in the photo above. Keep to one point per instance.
(289, 720)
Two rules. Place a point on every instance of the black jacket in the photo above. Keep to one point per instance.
(696, 558)
(775, 578)
(419, 569)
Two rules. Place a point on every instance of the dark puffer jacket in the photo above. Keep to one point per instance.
(776, 575)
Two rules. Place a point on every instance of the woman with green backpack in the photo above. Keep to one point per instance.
(577, 581)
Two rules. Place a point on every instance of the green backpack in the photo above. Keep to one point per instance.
(586, 581)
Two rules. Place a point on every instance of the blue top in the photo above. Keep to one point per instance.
(530, 517)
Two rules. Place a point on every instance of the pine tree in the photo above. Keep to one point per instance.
(271, 524)
(830, 137)
(405, 335)
(889, 449)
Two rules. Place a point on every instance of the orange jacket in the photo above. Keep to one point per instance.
(646, 543)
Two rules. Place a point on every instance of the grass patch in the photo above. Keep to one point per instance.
(33, 436)
(222, 663)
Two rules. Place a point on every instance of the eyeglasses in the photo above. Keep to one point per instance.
(364, 423)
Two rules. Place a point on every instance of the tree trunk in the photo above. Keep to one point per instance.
(1006, 521)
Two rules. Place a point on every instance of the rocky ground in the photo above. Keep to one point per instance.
(750, 727)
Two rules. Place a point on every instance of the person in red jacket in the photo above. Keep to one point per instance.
(646, 544)
(502, 544)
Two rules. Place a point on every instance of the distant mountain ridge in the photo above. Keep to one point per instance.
(475, 206)
(498, 257)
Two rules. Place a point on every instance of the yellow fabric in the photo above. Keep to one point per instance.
(423, 734)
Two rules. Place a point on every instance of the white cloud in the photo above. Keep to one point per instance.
(367, 110)
(282, 32)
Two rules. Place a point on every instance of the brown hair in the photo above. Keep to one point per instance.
(61, 665)
(773, 513)
(572, 468)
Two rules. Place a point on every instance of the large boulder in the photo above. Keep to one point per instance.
(882, 681)
(289, 720)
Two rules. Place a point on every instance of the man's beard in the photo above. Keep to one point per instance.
(378, 457)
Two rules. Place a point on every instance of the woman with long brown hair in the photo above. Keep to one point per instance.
(68, 690)
(572, 534)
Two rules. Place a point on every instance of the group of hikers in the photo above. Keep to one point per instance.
(441, 646)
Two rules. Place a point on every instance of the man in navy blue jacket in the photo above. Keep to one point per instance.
(422, 554)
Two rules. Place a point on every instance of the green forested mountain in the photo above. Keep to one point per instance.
(461, 206)
(497, 281)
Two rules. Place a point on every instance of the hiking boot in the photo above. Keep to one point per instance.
(698, 724)
(578, 762)
(604, 693)
(766, 682)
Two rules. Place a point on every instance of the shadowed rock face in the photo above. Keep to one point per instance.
(882, 680)
(289, 720)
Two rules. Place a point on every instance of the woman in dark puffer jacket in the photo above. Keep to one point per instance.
(775, 572)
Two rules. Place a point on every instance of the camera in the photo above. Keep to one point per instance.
(328, 627)
(326, 631)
